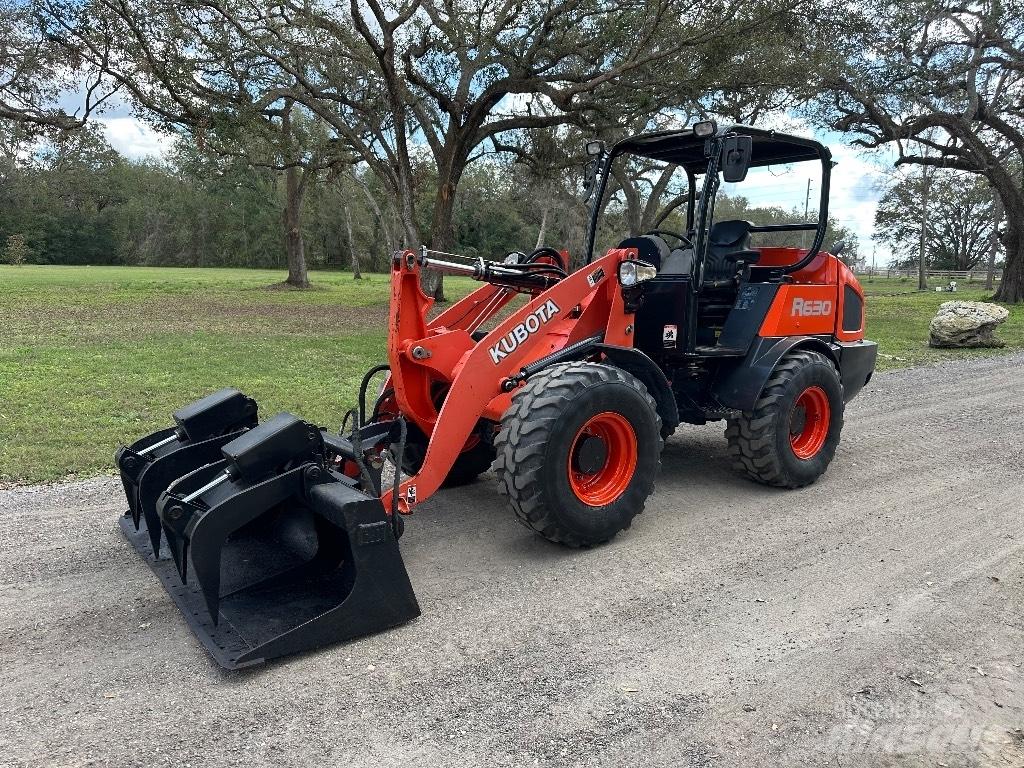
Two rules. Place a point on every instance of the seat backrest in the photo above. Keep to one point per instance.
(651, 249)
(727, 241)
(679, 262)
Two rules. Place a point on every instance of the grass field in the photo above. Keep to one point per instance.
(91, 357)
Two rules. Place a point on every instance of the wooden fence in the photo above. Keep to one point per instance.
(960, 275)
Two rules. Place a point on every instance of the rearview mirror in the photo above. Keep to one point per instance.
(736, 153)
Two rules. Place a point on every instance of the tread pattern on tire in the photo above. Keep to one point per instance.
(522, 439)
(751, 437)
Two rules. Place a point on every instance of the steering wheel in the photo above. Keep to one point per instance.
(681, 238)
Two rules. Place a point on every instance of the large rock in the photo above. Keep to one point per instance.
(967, 324)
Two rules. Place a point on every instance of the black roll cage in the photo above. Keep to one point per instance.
(696, 154)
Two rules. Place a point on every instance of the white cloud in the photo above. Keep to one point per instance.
(126, 133)
(134, 139)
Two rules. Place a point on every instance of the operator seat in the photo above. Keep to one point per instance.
(727, 253)
(728, 248)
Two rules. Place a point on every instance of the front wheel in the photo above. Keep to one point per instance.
(790, 437)
(578, 452)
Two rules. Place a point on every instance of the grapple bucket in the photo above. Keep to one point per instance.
(272, 551)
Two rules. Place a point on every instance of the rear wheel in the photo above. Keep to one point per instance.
(790, 437)
(578, 452)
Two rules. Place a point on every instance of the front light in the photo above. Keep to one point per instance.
(635, 272)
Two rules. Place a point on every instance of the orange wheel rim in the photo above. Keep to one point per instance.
(602, 459)
(809, 422)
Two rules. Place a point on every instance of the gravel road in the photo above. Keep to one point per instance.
(874, 619)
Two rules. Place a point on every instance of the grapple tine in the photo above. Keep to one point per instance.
(154, 530)
(178, 547)
(132, 461)
(206, 570)
(176, 509)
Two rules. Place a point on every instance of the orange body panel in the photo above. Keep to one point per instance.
(812, 304)
(822, 270)
(801, 310)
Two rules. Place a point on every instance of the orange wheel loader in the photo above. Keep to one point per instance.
(280, 536)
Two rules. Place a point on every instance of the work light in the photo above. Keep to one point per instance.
(634, 272)
(704, 129)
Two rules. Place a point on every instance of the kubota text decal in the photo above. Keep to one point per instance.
(508, 344)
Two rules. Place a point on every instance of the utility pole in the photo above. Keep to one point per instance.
(807, 208)
(922, 266)
(993, 243)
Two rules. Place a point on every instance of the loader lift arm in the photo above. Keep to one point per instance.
(582, 305)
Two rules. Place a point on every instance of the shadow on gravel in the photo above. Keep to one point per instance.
(475, 520)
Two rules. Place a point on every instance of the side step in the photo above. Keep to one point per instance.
(717, 352)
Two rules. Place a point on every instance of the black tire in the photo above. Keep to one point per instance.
(759, 441)
(468, 466)
(539, 432)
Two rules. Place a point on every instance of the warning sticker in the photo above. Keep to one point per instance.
(747, 297)
(670, 335)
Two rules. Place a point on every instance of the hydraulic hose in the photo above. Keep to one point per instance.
(363, 386)
(397, 481)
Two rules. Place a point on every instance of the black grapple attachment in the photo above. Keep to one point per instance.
(274, 550)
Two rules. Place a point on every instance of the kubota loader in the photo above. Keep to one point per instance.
(279, 536)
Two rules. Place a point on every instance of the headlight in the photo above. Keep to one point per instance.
(635, 272)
